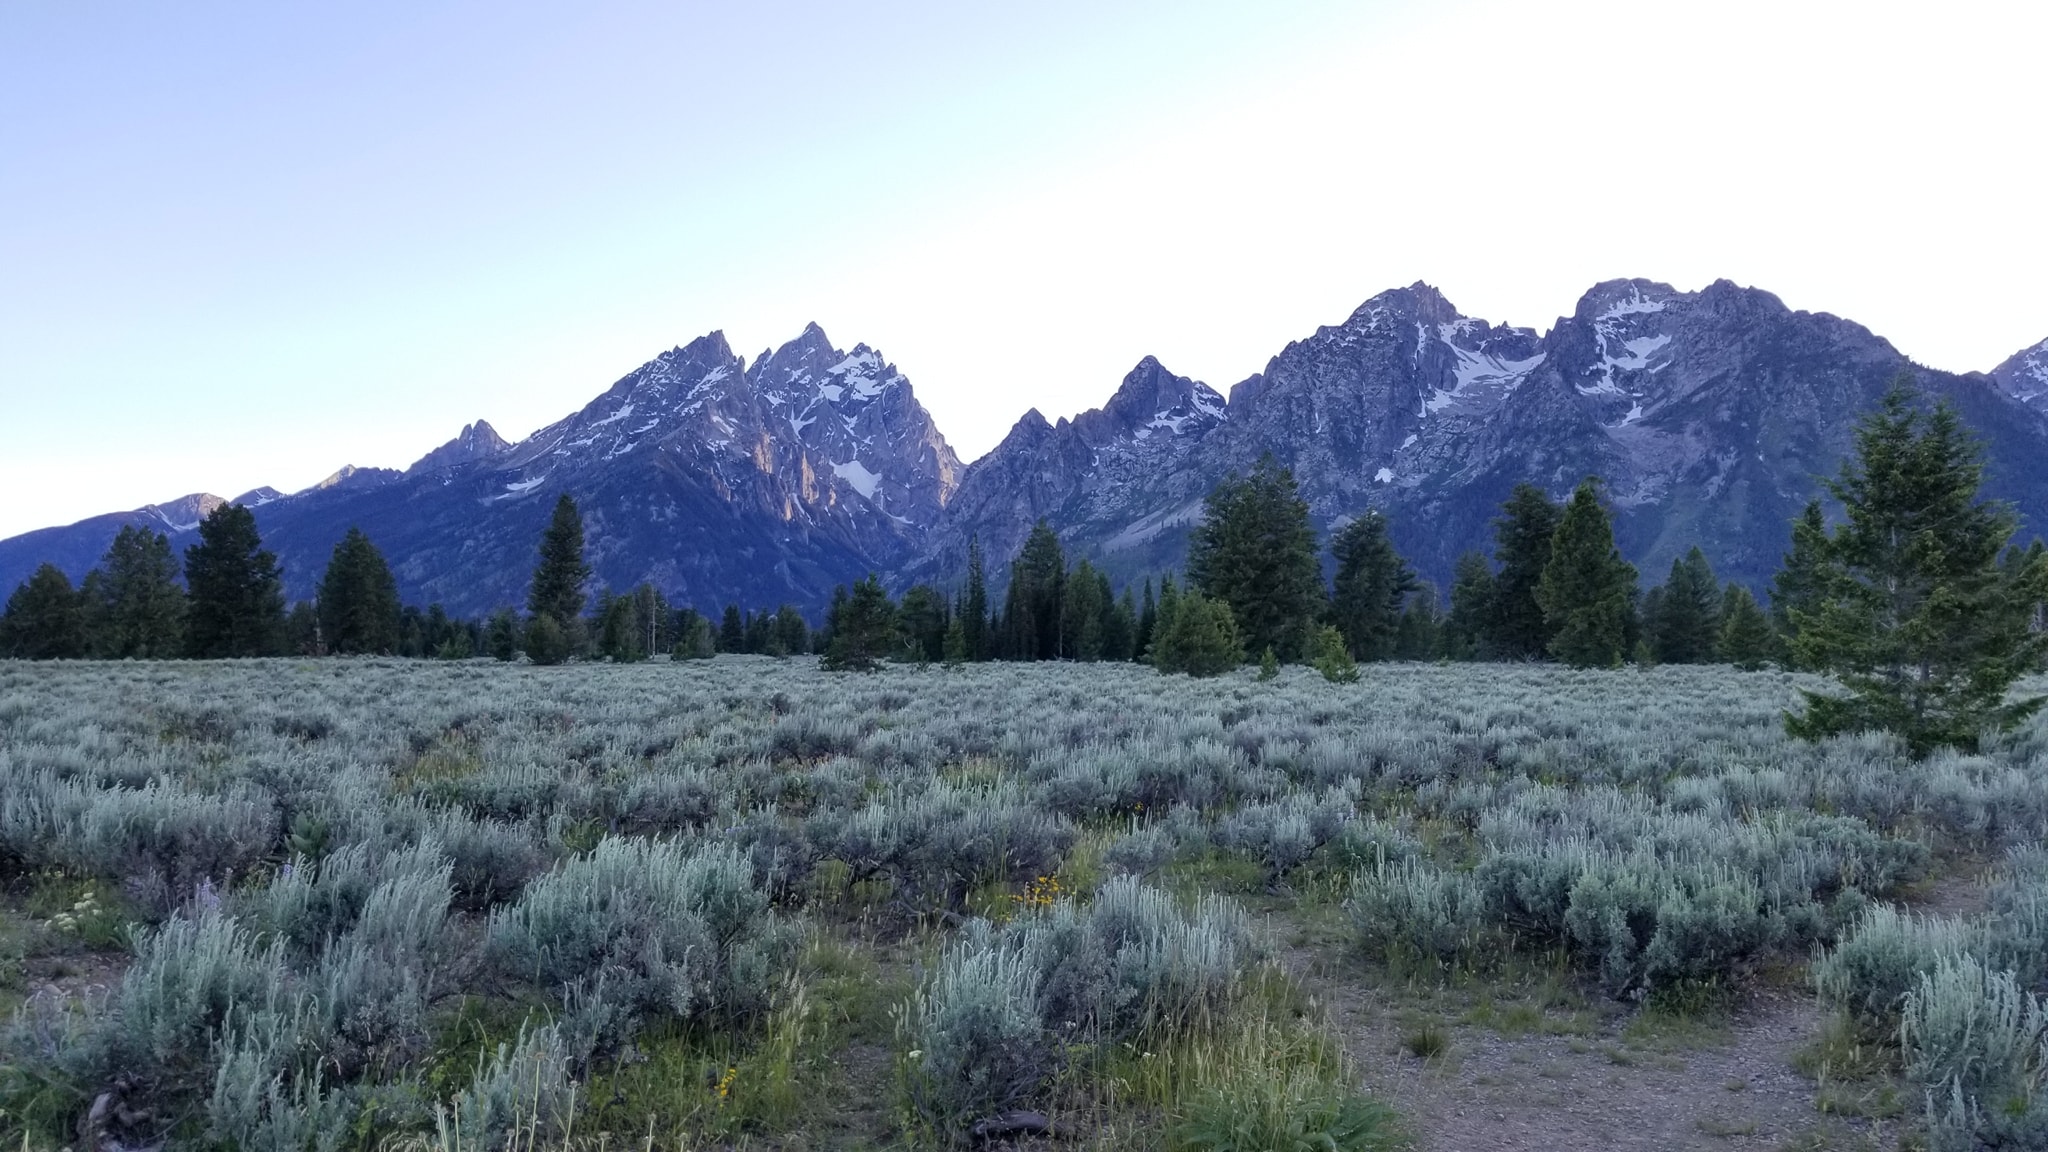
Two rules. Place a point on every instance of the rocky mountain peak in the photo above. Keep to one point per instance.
(478, 441)
(1153, 400)
(2025, 376)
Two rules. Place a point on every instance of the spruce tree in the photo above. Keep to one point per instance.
(557, 590)
(953, 652)
(1421, 634)
(1081, 613)
(1687, 621)
(547, 642)
(44, 619)
(921, 618)
(1746, 640)
(358, 600)
(1466, 628)
(1373, 582)
(732, 630)
(1587, 590)
(501, 638)
(974, 610)
(1199, 637)
(1916, 616)
(1329, 655)
(864, 631)
(1798, 587)
(1120, 628)
(1256, 551)
(1148, 623)
(134, 607)
(792, 635)
(1520, 629)
(1038, 594)
(236, 590)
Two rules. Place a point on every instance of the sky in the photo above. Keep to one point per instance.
(244, 244)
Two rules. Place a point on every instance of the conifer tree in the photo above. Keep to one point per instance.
(558, 581)
(302, 631)
(1256, 551)
(732, 630)
(358, 600)
(954, 650)
(236, 605)
(547, 642)
(1421, 634)
(1587, 590)
(501, 639)
(864, 631)
(1520, 629)
(1120, 628)
(1372, 583)
(1148, 621)
(1915, 614)
(1036, 610)
(1797, 588)
(133, 605)
(1329, 655)
(921, 618)
(974, 610)
(1685, 624)
(1081, 613)
(1746, 640)
(1466, 626)
(1199, 637)
(44, 619)
(621, 634)
(792, 635)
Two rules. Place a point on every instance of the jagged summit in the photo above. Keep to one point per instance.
(2025, 376)
(478, 441)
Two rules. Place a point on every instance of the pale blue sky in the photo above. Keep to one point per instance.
(244, 244)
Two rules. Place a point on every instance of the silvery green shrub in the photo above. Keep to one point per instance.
(1880, 959)
(685, 933)
(1285, 833)
(1978, 1045)
(975, 1037)
(938, 843)
(1411, 906)
(523, 1088)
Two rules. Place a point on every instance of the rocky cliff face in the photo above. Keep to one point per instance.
(1710, 415)
(2026, 377)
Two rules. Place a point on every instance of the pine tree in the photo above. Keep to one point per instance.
(732, 631)
(44, 619)
(1329, 655)
(546, 640)
(1200, 637)
(1797, 588)
(1120, 628)
(1587, 590)
(1471, 617)
(1373, 582)
(237, 592)
(1081, 613)
(1148, 623)
(1746, 640)
(133, 605)
(358, 600)
(954, 651)
(974, 611)
(792, 635)
(1916, 616)
(1421, 634)
(1685, 623)
(1036, 609)
(1520, 629)
(501, 639)
(865, 630)
(1256, 552)
(921, 619)
(302, 631)
(558, 581)
(621, 634)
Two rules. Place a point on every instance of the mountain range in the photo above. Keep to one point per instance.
(1711, 416)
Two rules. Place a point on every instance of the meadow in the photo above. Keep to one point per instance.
(354, 904)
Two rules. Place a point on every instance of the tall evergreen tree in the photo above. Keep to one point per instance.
(1916, 616)
(237, 591)
(1120, 628)
(621, 635)
(1038, 591)
(1199, 637)
(1746, 640)
(1373, 582)
(1148, 622)
(501, 638)
(1587, 590)
(1520, 629)
(1798, 589)
(44, 619)
(1467, 625)
(921, 620)
(133, 605)
(792, 635)
(1421, 633)
(974, 609)
(732, 630)
(1256, 552)
(358, 599)
(1686, 624)
(1081, 613)
(864, 631)
(557, 590)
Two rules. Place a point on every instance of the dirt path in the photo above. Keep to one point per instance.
(1733, 1088)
